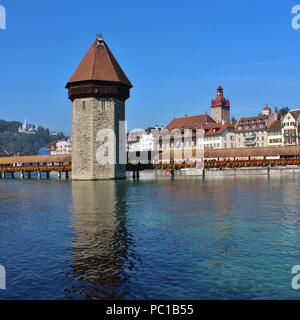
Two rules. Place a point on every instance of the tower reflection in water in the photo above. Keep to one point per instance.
(103, 249)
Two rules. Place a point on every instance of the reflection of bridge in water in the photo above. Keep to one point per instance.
(27, 166)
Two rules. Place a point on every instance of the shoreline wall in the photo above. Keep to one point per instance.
(219, 174)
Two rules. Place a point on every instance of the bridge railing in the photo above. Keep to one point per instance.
(36, 168)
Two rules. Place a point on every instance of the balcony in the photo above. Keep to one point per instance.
(250, 143)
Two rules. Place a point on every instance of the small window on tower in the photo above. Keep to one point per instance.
(83, 104)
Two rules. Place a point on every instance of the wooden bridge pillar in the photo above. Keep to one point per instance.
(136, 174)
(172, 174)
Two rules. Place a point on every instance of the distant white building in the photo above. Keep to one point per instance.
(142, 140)
(63, 147)
(219, 136)
(28, 128)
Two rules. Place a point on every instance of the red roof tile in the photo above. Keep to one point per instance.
(295, 113)
(275, 126)
(220, 100)
(194, 122)
(218, 128)
(99, 64)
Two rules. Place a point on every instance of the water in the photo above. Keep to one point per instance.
(182, 239)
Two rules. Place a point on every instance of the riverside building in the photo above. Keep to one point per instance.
(252, 132)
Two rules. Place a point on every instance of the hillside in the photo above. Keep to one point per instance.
(21, 143)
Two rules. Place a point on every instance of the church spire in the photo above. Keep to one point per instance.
(220, 91)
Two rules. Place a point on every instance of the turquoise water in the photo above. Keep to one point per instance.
(182, 239)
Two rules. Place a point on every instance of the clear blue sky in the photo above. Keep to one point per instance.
(174, 52)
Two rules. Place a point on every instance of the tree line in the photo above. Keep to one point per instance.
(21, 143)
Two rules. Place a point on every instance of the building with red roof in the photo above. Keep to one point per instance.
(219, 136)
(252, 132)
(218, 130)
(193, 122)
(291, 128)
(275, 134)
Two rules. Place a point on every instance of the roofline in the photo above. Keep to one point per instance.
(96, 82)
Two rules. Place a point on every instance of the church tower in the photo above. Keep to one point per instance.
(98, 90)
(220, 107)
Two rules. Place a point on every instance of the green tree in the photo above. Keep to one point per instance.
(21, 143)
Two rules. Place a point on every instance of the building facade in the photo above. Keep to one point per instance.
(291, 128)
(252, 132)
(214, 132)
(63, 147)
(219, 136)
(142, 140)
(275, 134)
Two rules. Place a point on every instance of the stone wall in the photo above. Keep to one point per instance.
(216, 114)
(91, 145)
(220, 114)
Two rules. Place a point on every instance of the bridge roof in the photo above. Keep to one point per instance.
(252, 152)
(35, 159)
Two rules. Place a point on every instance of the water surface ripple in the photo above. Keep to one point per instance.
(182, 239)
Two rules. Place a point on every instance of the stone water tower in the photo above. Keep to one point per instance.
(98, 90)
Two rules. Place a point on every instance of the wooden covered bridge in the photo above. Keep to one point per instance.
(26, 166)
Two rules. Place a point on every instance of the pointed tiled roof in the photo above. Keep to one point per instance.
(216, 129)
(99, 64)
(295, 113)
(220, 100)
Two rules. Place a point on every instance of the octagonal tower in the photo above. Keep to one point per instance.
(98, 90)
